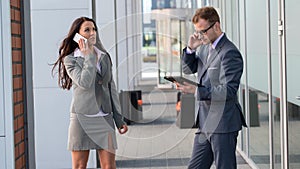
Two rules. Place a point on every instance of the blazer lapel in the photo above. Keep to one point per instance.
(214, 55)
(103, 64)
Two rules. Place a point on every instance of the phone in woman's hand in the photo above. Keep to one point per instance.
(77, 37)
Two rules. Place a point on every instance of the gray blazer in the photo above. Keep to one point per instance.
(219, 78)
(91, 88)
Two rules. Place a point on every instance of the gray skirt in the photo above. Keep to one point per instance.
(86, 133)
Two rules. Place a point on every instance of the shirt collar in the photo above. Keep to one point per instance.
(217, 41)
(77, 52)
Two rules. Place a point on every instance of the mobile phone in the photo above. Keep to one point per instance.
(77, 37)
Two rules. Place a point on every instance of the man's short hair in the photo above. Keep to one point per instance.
(206, 13)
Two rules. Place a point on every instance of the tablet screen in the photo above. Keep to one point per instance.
(180, 80)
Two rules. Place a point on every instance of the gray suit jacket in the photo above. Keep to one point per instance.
(219, 78)
(91, 88)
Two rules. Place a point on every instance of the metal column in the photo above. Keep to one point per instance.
(247, 112)
(283, 85)
(270, 90)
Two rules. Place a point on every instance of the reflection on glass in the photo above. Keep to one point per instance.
(162, 52)
(169, 49)
(257, 62)
(293, 89)
(257, 72)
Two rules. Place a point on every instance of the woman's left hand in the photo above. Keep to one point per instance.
(123, 129)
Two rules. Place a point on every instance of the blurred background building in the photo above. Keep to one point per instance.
(145, 38)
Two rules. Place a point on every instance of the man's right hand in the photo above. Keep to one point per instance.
(195, 41)
(186, 88)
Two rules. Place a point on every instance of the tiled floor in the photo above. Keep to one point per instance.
(156, 141)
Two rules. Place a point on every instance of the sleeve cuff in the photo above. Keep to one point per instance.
(189, 50)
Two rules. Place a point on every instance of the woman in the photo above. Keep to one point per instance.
(87, 67)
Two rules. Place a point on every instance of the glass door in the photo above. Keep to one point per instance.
(164, 57)
(171, 40)
(175, 37)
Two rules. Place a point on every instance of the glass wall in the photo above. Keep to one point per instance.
(257, 56)
(257, 69)
(275, 82)
(251, 37)
(293, 89)
(254, 45)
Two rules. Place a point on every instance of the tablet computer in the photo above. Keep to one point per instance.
(180, 80)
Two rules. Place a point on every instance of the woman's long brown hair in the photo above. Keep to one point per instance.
(67, 47)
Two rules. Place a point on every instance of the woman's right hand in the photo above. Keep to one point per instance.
(123, 129)
(85, 48)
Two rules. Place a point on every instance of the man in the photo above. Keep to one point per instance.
(219, 65)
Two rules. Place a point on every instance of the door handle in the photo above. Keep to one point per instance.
(298, 97)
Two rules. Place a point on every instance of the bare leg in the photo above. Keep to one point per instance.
(79, 159)
(107, 157)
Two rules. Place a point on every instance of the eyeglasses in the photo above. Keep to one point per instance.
(202, 32)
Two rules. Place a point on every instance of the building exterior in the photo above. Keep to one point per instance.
(34, 111)
(15, 30)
